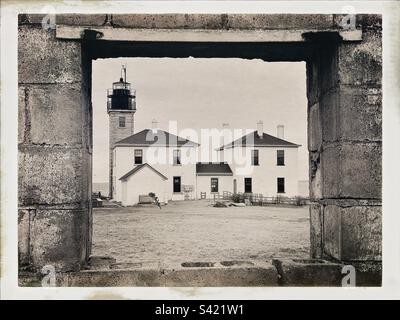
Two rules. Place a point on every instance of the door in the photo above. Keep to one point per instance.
(247, 185)
(234, 186)
(214, 185)
(177, 184)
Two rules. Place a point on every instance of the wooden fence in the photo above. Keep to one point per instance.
(256, 198)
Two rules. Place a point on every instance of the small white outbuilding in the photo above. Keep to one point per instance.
(142, 180)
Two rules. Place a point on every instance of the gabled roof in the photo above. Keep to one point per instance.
(139, 167)
(213, 169)
(254, 140)
(147, 137)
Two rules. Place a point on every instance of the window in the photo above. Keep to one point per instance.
(138, 156)
(121, 122)
(214, 184)
(254, 157)
(177, 157)
(177, 184)
(280, 157)
(281, 185)
(247, 185)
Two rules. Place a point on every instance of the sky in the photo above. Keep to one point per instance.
(204, 93)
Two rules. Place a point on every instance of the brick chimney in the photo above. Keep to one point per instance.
(280, 131)
(154, 125)
(260, 128)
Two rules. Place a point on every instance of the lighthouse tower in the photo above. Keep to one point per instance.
(121, 107)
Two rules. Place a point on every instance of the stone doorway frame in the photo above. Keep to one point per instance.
(344, 77)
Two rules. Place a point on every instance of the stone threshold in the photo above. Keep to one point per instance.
(275, 273)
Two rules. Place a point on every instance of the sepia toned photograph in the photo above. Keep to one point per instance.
(197, 150)
(200, 150)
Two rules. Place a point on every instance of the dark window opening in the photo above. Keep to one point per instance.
(121, 122)
(280, 157)
(281, 185)
(214, 184)
(177, 157)
(138, 156)
(247, 185)
(254, 157)
(177, 184)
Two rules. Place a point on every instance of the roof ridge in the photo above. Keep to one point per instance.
(169, 137)
(140, 166)
(261, 143)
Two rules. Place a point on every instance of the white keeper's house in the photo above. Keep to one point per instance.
(153, 160)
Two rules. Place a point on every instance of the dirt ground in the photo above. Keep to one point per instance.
(194, 231)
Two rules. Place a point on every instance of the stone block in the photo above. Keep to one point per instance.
(308, 273)
(58, 239)
(203, 21)
(369, 20)
(345, 21)
(81, 19)
(65, 19)
(352, 170)
(353, 233)
(316, 225)
(315, 175)
(314, 128)
(322, 76)
(24, 18)
(327, 69)
(52, 176)
(21, 114)
(361, 20)
(222, 277)
(330, 115)
(170, 21)
(312, 66)
(112, 278)
(331, 232)
(24, 237)
(53, 61)
(360, 113)
(368, 273)
(196, 277)
(349, 114)
(56, 114)
(361, 63)
(279, 21)
(223, 21)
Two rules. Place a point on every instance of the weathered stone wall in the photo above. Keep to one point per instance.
(344, 116)
(54, 143)
(345, 144)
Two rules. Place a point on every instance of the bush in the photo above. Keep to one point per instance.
(220, 205)
(236, 198)
(300, 201)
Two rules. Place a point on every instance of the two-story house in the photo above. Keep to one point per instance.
(157, 161)
(255, 163)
